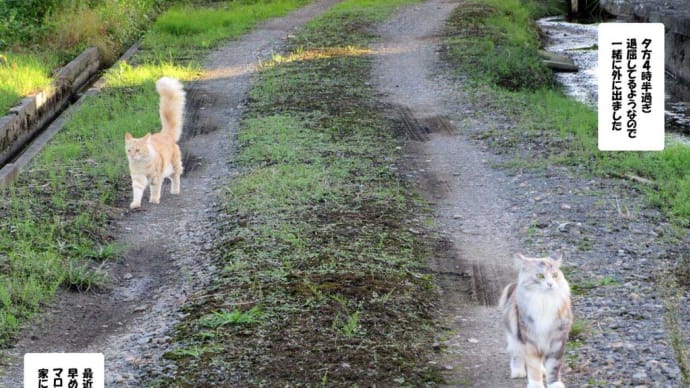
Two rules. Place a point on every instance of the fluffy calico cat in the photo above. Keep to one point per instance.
(157, 156)
(537, 319)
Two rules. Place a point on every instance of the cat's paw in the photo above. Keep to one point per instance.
(135, 205)
(557, 384)
(535, 384)
(155, 201)
(175, 191)
(518, 373)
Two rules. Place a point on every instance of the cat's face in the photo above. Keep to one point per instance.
(137, 149)
(541, 274)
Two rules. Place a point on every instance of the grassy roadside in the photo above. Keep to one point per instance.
(37, 37)
(552, 129)
(53, 219)
(323, 279)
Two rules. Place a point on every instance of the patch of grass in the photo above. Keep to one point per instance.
(496, 42)
(542, 8)
(108, 25)
(22, 74)
(36, 37)
(322, 238)
(235, 317)
(22, 20)
(579, 329)
(84, 278)
(581, 288)
(54, 217)
(190, 29)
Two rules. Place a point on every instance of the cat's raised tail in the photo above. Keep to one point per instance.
(171, 106)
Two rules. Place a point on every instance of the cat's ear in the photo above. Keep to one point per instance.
(523, 260)
(128, 136)
(556, 257)
(148, 138)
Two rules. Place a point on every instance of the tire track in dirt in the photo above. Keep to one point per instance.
(169, 246)
(474, 257)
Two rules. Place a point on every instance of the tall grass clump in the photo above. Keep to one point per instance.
(497, 42)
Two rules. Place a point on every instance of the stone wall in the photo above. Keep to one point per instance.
(674, 14)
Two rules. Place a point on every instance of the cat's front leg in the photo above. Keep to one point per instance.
(535, 371)
(517, 358)
(553, 371)
(517, 367)
(138, 186)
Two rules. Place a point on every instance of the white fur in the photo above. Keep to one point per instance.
(538, 307)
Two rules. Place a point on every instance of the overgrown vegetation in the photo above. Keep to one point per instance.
(53, 219)
(322, 242)
(38, 36)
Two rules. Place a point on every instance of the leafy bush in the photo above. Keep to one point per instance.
(22, 20)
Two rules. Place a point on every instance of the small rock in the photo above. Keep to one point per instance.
(566, 206)
(640, 378)
(118, 379)
(127, 276)
(473, 340)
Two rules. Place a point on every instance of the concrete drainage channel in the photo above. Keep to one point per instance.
(29, 125)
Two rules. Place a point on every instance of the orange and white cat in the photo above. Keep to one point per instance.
(157, 156)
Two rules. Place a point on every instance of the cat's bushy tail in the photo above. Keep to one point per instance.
(505, 300)
(171, 106)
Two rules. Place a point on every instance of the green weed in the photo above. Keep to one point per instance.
(348, 324)
(235, 317)
(581, 288)
(84, 278)
(579, 330)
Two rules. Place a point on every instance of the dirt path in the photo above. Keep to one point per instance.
(168, 256)
(475, 261)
